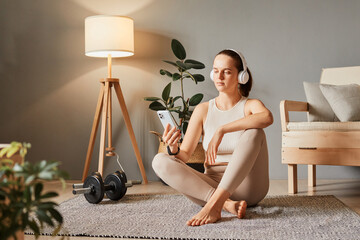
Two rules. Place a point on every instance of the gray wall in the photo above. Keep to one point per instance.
(49, 88)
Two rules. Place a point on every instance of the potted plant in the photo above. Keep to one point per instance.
(180, 105)
(22, 201)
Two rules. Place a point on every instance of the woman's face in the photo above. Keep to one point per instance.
(225, 74)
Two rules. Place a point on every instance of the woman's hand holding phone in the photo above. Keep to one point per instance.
(171, 137)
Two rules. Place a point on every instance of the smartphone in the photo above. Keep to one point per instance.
(165, 118)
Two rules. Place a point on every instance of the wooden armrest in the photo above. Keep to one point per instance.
(286, 106)
(295, 106)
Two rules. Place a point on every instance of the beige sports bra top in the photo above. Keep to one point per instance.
(216, 118)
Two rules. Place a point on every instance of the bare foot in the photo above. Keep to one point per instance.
(205, 216)
(237, 208)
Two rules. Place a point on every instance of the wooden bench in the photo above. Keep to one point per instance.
(319, 143)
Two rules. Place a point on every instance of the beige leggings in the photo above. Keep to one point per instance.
(246, 177)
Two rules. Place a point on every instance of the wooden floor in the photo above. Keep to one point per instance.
(348, 191)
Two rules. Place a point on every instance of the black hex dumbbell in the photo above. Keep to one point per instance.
(115, 187)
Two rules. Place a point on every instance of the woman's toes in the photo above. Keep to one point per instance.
(189, 222)
(192, 222)
(242, 209)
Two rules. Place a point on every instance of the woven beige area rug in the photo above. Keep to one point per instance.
(164, 217)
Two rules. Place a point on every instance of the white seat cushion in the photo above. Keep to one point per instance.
(324, 126)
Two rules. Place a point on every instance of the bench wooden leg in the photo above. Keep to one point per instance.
(311, 175)
(292, 178)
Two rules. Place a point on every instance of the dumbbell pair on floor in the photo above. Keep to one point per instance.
(94, 188)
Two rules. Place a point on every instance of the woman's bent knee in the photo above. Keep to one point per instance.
(159, 161)
(254, 133)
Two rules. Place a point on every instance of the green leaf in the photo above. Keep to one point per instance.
(178, 49)
(185, 126)
(23, 152)
(151, 98)
(176, 98)
(199, 77)
(195, 77)
(24, 218)
(7, 162)
(170, 102)
(195, 64)
(29, 179)
(174, 109)
(166, 92)
(49, 195)
(196, 99)
(38, 189)
(50, 166)
(176, 76)
(4, 150)
(171, 63)
(42, 164)
(46, 175)
(156, 106)
(15, 144)
(27, 195)
(55, 214)
(26, 145)
(35, 228)
(11, 151)
(17, 168)
(47, 205)
(164, 72)
(188, 65)
(43, 217)
(182, 65)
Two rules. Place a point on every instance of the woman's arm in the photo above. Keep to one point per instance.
(193, 133)
(256, 116)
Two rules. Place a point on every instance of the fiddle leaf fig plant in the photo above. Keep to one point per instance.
(180, 104)
(23, 204)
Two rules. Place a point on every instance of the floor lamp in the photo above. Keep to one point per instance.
(108, 37)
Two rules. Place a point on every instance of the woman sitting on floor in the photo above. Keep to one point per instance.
(236, 159)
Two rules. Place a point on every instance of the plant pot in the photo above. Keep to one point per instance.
(196, 160)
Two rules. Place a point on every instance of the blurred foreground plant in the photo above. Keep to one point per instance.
(22, 201)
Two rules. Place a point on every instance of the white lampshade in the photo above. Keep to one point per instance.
(106, 35)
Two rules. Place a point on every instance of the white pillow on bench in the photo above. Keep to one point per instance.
(344, 100)
(319, 108)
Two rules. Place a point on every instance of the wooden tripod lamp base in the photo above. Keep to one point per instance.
(103, 109)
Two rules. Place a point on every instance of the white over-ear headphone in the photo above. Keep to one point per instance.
(243, 76)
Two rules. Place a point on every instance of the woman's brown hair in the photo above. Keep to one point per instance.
(244, 88)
